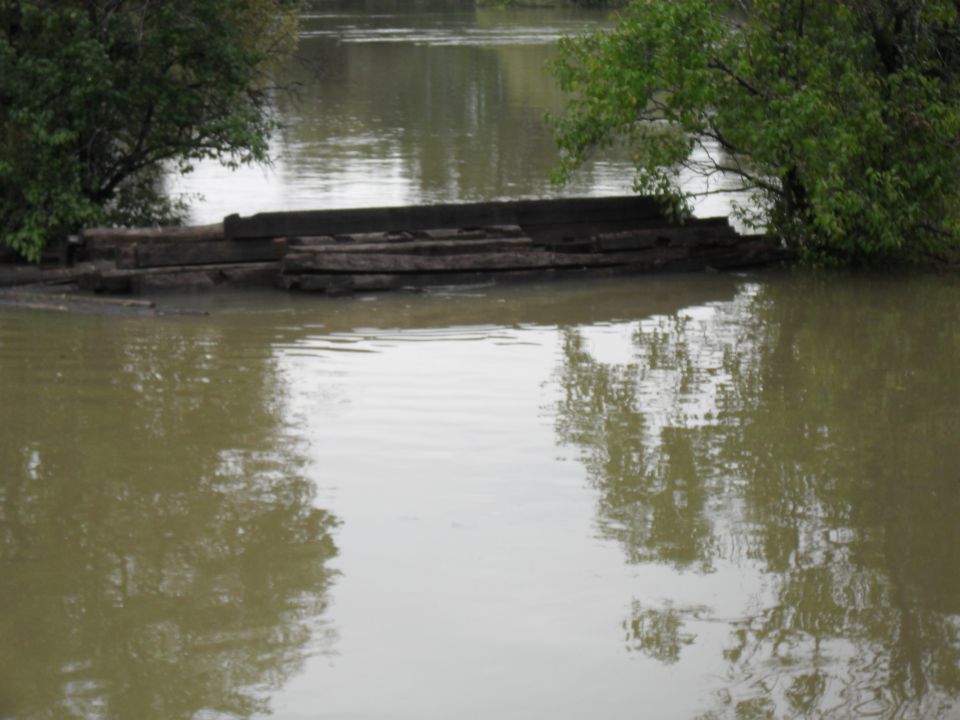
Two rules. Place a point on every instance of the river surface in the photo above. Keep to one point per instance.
(705, 496)
(712, 496)
(400, 103)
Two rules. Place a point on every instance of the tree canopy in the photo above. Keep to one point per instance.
(841, 118)
(99, 97)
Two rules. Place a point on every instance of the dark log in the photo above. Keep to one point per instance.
(694, 234)
(184, 277)
(490, 231)
(310, 241)
(391, 236)
(13, 275)
(552, 217)
(107, 243)
(170, 254)
(209, 277)
(117, 236)
(630, 240)
(351, 262)
(394, 237)
(341, 284)
(422, 247)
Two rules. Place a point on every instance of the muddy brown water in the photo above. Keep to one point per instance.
(711, 496)
(409, 103)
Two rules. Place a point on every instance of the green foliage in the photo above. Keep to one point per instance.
(841, 117)
(98, 97)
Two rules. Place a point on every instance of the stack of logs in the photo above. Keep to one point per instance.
(382, 261)
(343, 251)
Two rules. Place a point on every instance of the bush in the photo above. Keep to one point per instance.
(98, 98)
(840, 118)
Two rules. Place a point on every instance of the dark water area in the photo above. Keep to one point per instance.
(711, 496)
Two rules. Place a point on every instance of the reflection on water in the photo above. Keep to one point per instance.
(399, 104)
(417, 103)
(696, 497)
(159, 553)
(807, 430)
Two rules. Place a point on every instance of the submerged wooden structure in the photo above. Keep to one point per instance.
(339, 251)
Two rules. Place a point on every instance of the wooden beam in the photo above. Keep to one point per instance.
(170, 254)
(420, 247)
(553, 214)
(352, 262)
(154, 234)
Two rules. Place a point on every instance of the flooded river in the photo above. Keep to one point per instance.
(702, 496)
(712, 496)
(398, 103)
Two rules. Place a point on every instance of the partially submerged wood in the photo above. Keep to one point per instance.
(532, 259)
(385, 248)
(109, 243)
(86, 304)
(345, 272)
(419, 247)
(19, 275)
(342, 284)
(174, 254)
(541, 219)
(710, 232)
(192, 277)
(195, 233)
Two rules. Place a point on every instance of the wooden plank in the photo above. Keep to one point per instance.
(630, 240)
(347, 262)
(261, 274)
(14, 275)
(524, 213)
(693, 234)
(375, 237)
(195, 233)
(340, 284)
(172, 254)
(310, 241)
(112, 243)
(422, 247)
(208, 277)
(481, 233)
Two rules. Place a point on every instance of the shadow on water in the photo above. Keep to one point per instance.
(160, 556)
(806, 431)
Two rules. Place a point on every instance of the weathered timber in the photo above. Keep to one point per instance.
(196, 233)
(107, 243)
(490, 231)
(342, 251)
(693, 233)
(337, 273)
(171, 254)
(341, 284)
(192, 277)
(350, 262)
(541, 219)
(421, 247)
(16, 275)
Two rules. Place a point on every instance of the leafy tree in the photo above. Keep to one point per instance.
(841, 118)
(99, 97)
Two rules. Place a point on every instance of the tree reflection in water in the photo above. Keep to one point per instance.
(806, 430)
(159, 553)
